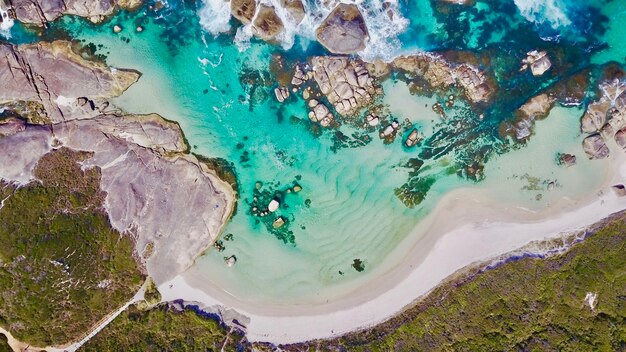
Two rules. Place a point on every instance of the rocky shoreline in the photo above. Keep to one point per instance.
(56, 100)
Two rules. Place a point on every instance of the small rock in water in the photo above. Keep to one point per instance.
(297, 188)
(620, 190)
(567, 160)
(281, 94)
(273, 206)
(551, 186)
(139, 29)
(117, 28)
(278, 223)
(372, 120)
(413, 139)
(230, 261)
(538, 61)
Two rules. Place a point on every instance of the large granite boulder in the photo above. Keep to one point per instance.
(295, 8)
(595, 116)
(344, 30)
(267, 25)
(53, 77)
(595, 148)
(243, 10)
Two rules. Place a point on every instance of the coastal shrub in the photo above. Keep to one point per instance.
(62, 266)
(164, 328)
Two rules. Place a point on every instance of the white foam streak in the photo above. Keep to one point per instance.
(552, 12)
(6, 24)
(214, 16)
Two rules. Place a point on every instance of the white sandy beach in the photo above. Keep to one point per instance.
(466, 227)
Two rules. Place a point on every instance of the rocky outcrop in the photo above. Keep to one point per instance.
(605, 119)
(243, 10)
(538, 61)
(346, 83)
(295, 8)
(149, 180)
(595, 116)
(60, 81)
(520, 128)
(267, 25)
(41, 12)
(595, 148)
(344, 30)
(439, 74)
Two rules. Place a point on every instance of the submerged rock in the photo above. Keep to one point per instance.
(267, 25)
(344, 30)
(595, 148)
(230, 261)
(440, 74)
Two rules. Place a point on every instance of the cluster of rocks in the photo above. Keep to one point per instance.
(345, 82)
(442, 74)
(343, 31)
(41, 12)
(605, 119)
(538, 61)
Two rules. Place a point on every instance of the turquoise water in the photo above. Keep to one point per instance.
(347, 209)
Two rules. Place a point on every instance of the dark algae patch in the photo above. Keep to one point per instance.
(62, 266)
(164, 328)
(4, 344)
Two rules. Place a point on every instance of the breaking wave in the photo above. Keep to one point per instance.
(383, 19)
(550, 12)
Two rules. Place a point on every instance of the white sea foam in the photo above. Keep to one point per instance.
(6, 24)
(552, 12)
(385, 23)
(214, 16)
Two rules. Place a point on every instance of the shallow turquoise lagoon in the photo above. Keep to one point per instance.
(347, 208)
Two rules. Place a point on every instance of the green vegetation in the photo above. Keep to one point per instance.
(164, 328)
(526, 305)
(62, 266)
(4, 344)
(152, 294)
